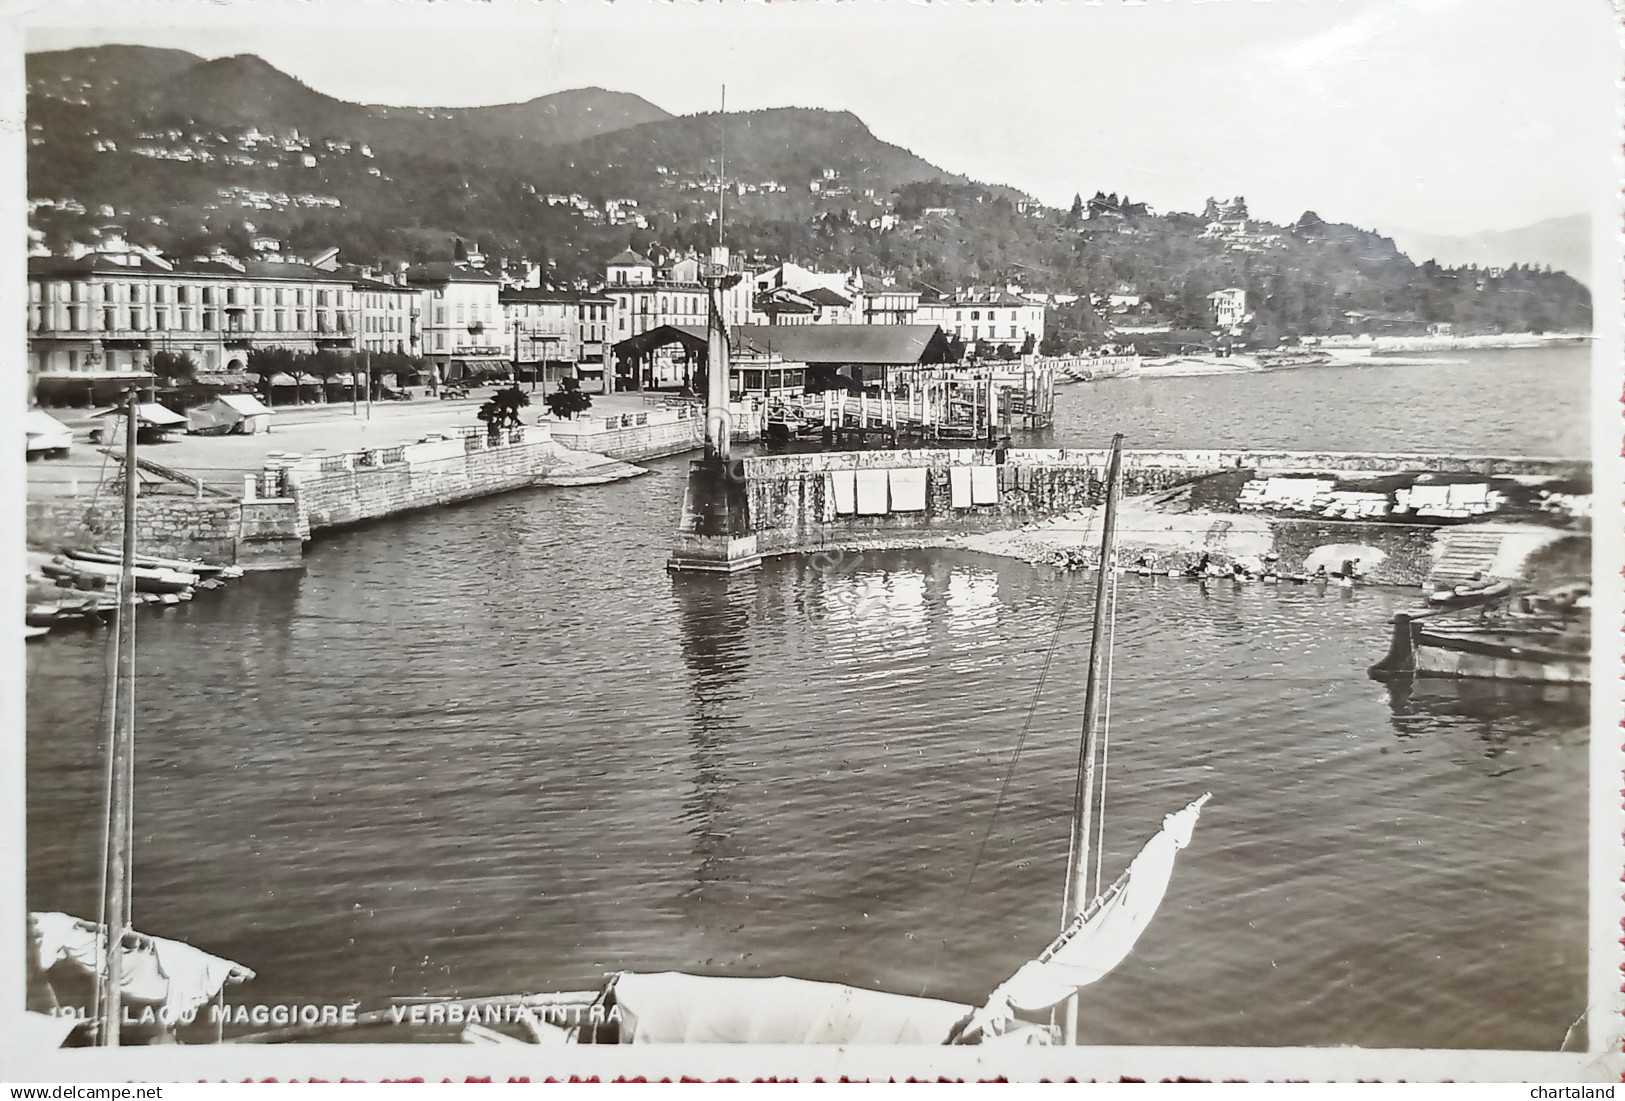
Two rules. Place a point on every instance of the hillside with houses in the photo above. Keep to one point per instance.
(190, 157)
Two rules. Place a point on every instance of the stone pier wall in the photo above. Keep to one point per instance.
(657, 431)
(662, 433)
(336, 490)
(202, 528)
(269, 529)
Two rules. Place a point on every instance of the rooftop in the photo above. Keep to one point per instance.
(444, 271)
(879, 344)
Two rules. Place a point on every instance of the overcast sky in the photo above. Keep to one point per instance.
(1439, 116)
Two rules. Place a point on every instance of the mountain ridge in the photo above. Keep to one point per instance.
(186, 155)
(1563, 242)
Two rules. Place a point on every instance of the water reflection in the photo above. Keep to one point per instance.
(713, 620)
(1497, 713)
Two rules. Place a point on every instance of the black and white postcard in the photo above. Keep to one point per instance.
(873, 540)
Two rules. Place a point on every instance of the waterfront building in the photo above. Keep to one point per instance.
(797, 278)
(386, 315)
(95, 323)
(546, 327)
(882, 303)
(592, 327)
(985, 319)
(783, 306)
(464, 337)
(792, 294)
(630, 269)
(834, 308)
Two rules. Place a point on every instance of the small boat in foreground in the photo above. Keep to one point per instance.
(92, 610)
(1471, 592)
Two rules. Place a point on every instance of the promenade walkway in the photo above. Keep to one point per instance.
(223, 460)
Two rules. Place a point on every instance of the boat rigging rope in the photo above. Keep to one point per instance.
(1106, 733)
(109, 718)
(1009, 773)
(127, 608)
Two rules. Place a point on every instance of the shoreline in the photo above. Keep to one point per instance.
(1384, 351)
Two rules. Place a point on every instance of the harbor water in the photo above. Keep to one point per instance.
(495, 748)
(1511, 402)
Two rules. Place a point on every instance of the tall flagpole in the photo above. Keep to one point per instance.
(722, 163)
(1077, 858)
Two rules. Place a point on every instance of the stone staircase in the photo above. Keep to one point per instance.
(1465, 553)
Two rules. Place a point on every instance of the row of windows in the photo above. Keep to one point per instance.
(992, 315)
(992, 331)
(162, 319)
(584, 311)
(184, 294)
(464, 313)
(380, 301)
(682, 304)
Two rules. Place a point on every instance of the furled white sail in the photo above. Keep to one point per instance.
(1101, 937)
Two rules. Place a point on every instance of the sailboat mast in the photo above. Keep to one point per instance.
(121, 747)
(1083, 796)
(722, 160)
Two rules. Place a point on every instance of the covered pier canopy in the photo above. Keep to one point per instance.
(634, 357)
(867, 353)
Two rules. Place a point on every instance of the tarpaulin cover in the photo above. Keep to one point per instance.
(155, 970)
(959, 486)
(224, 411)
(147, 414)
(673, 1008)
(45, 1030)
(45, 432)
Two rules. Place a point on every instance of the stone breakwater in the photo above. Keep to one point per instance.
(1396, 513)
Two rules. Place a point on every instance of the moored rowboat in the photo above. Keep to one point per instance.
(1554, 653)
(183, 565)
(147, 579)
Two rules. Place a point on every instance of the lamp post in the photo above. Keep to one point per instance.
(355, 410)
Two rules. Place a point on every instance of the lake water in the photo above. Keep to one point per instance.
(497, 748)
(1511, 402)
